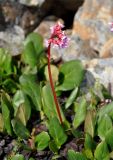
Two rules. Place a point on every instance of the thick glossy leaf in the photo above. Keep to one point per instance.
(57, 132)
(10, 85)
(32, 89)
(5, 61)
(107, 109)
(1, 123)
(21, 106)
(53, 146)
(104, 125)
(109, 138)
(42, 140)
(102, 151)
(19, 129)
(33, 49)
(89, 154)
(54, 72)
(48, 102)
(71, 75)
(89, 126)
(89, 142)
(71, 98)
(6, 114)
(18, 157)
(72, 155)
(80, 114)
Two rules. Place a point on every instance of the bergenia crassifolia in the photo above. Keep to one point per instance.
(57, 39)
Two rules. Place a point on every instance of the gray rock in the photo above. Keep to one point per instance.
(91, 23)
(101, 70)
(12, 39)
(29, 13)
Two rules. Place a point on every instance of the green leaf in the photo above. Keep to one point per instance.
(71, 98)
(32, 89)
(10, 85)
(33, 49)
(89, 142)
(109, 138)
(48, 102)
(89, 126)
(102, 151)
(53, 146)
(57, 132)
(1, 123)
(107, 109)
(80, 114)
(19, 129)
(21, 106)
(104, 125)
(18, 157)
(71, 75)
(54, 72)
(6, 114)
(72, 155)
(42, 140)
(5, 62)
(88, 154)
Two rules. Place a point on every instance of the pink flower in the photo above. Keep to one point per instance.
(111, 26)
(58, 37)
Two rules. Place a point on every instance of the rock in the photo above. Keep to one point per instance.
(91, 23)
(50, 7)
(19, 14)
(64, 9)
(101, 71)
(107, 49)
(44, 27)
(12, 39)
(29, 14)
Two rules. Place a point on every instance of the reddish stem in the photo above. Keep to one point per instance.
(52, 85)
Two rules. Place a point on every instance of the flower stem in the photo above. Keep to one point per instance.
(52, 86)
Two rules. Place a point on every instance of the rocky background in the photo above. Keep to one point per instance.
(86, 23)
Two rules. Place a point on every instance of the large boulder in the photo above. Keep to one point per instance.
(12, 40)
(29, 14)
(100, 71)
(91, 24)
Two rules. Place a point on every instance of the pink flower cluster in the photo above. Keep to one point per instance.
(58, 37)
(111, 26)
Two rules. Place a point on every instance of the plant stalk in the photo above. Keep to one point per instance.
(52, 86)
